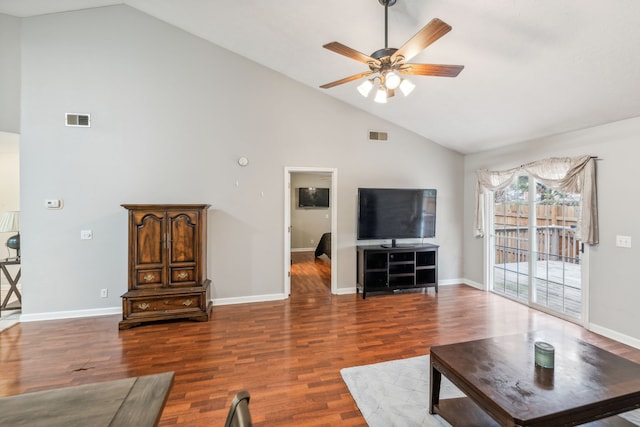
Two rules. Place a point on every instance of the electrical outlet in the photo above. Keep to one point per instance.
(312, 241)
(86, 234)
(104, 293)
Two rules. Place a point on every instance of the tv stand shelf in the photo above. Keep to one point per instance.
(391, 269)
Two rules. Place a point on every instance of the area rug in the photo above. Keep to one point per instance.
(396, 393)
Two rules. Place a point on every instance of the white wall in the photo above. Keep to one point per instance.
(614, 291)
(9, 73)
(168, 125)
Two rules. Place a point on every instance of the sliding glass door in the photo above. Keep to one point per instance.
(535, 256)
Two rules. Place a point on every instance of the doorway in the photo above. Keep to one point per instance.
(10, 282)
(310, 229)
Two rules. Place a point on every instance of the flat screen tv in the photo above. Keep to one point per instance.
(312, 197)
(396, 213)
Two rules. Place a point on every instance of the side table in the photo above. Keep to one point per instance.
(13, 283)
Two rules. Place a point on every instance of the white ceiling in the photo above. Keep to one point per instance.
(532, 67)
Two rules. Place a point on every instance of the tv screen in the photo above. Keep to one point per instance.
(311, 197)
(394, 213)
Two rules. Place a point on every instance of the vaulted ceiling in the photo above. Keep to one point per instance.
(532, 67)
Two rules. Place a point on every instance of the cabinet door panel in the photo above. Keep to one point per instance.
(149, 238)
(183, 238)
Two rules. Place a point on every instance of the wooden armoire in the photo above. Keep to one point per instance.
(167, 264)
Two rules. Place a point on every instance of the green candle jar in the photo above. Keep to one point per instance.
(544, 354)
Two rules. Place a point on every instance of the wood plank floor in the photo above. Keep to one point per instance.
(288, 354)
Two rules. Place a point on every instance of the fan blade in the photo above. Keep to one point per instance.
(423, 38)
(431, 70)
(346, 80)
(350, 53)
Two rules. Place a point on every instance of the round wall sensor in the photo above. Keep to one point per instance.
(243, 161)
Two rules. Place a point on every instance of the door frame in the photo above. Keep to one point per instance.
(333, 172)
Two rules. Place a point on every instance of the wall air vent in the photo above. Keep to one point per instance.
(78, 120)
(378, 136)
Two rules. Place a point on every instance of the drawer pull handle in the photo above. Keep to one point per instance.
(149, 277)
(187, 302)
(143, 306)
(183, 275)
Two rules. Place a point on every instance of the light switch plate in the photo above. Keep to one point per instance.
(86, 234)
(623, 241)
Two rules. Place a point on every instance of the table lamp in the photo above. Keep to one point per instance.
(10, 222)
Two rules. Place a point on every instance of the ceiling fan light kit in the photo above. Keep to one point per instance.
(387, 65)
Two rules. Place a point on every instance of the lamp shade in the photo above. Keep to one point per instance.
(406, 87)
(365, 88)
(381, 95)
(10, 221)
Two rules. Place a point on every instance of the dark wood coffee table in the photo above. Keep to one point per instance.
(504, 387)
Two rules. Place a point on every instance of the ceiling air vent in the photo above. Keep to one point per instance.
(378, 136)
(78, 120)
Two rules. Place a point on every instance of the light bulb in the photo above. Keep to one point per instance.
(392, 80)
(365, 88)
(406, 87)
(381, 95)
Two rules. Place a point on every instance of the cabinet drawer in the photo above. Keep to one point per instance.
(149, 278)
(167, 303)
(183, 276)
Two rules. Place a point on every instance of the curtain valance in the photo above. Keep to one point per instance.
(569, 174)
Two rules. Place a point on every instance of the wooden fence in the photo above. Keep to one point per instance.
(555, 233)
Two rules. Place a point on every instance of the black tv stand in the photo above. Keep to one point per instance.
(393, 244)
(391, 269)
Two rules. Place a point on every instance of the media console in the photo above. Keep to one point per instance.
(390, 269)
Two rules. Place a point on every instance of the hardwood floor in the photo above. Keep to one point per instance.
(287, 354)
(310, 276)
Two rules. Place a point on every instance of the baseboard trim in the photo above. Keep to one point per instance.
(346, 291)
(59, 315)
(244, 300)
(473, 284)
(617, 336)
(449, 282)
(303, 250)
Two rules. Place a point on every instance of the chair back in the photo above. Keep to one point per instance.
(239, 415)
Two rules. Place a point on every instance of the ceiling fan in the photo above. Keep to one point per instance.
(388, 64)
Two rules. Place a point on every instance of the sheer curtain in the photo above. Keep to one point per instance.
(570, 174)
